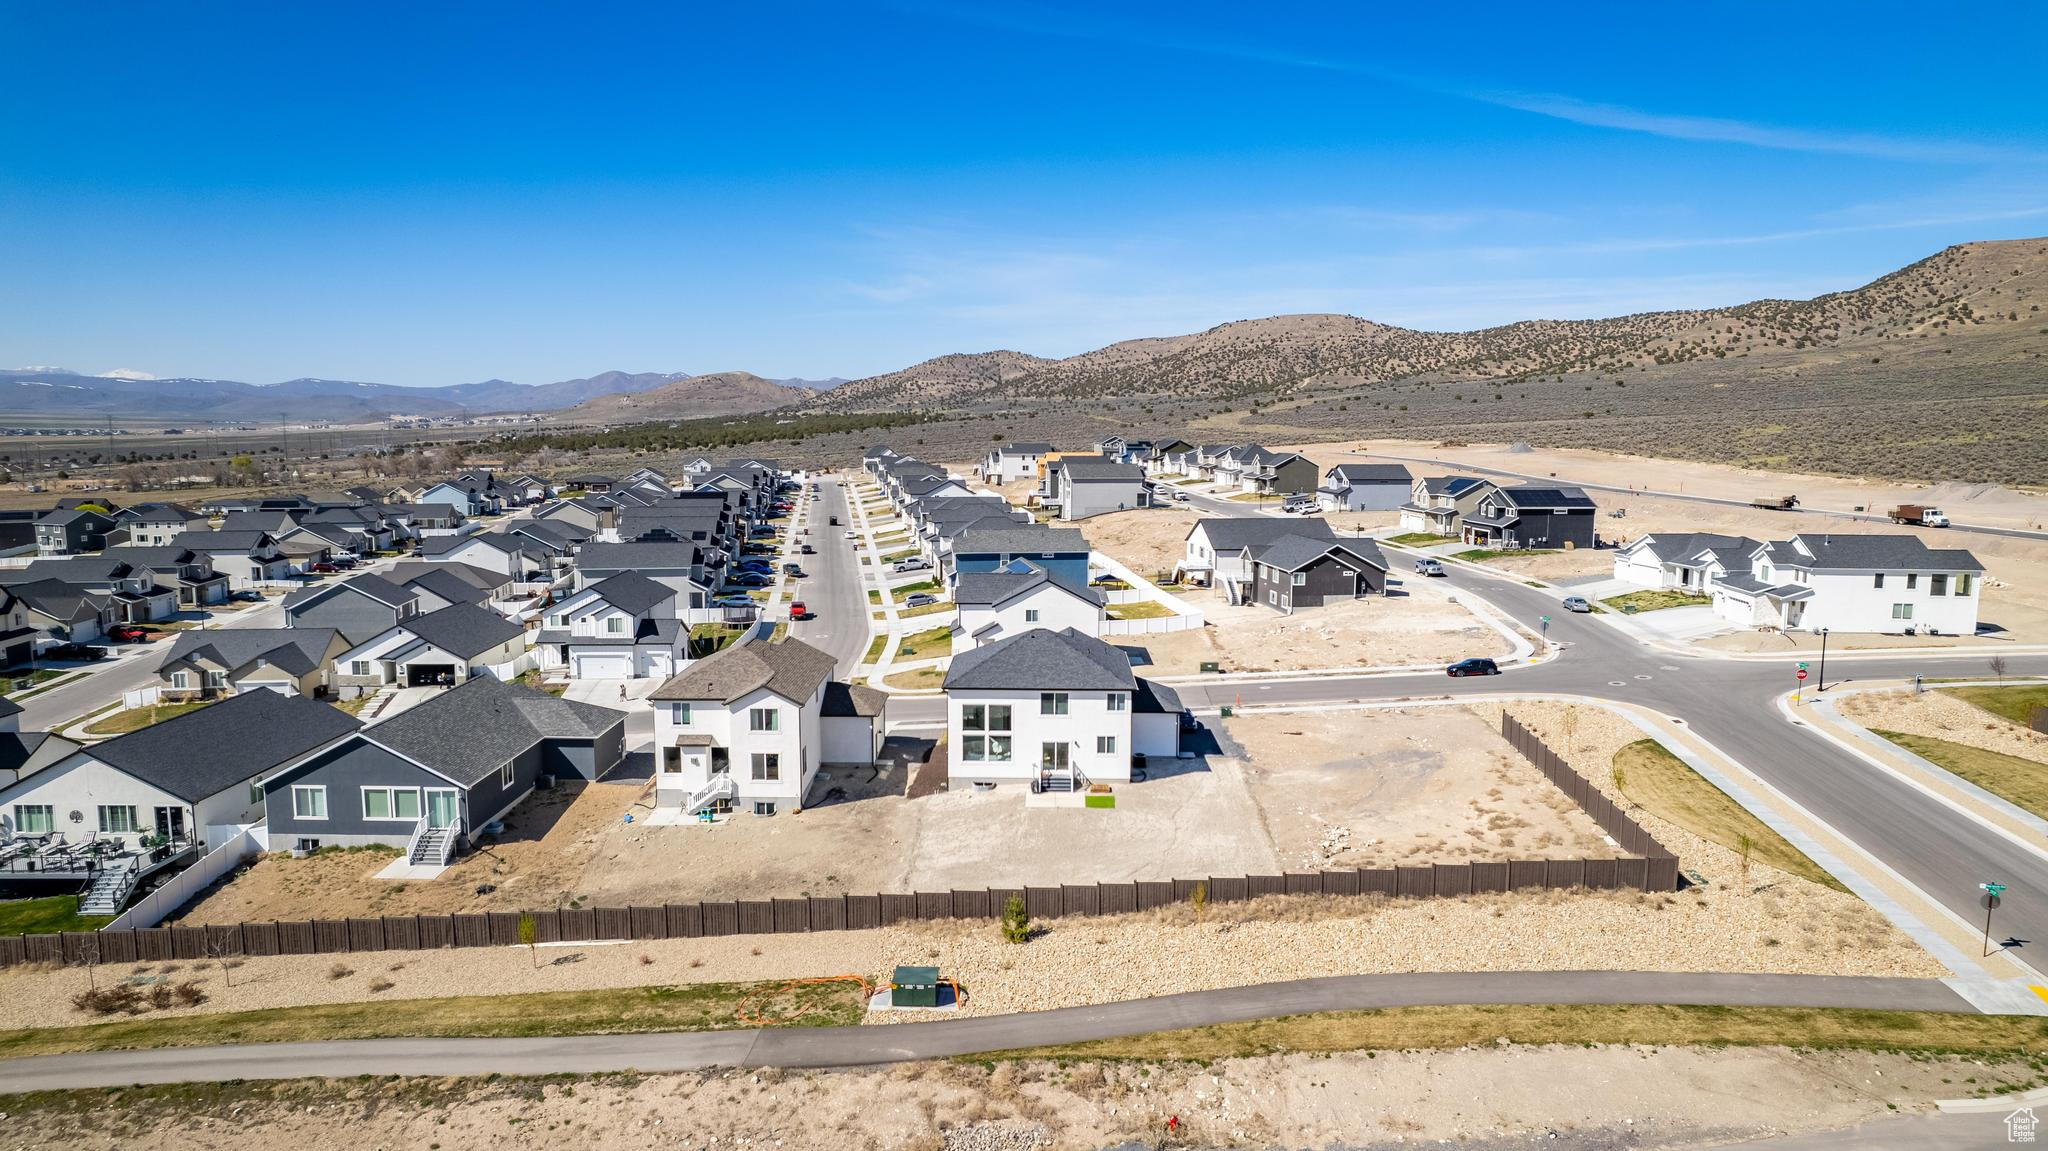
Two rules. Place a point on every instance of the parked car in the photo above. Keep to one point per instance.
(750, 579)
(1475, 666)
(248, 595)
(323, 568)
(808, 550)
(849, 533)
(1428, 567)
(1577, 603)
(799, 610)
(920, 599)
(793, 570)
(913, 564)
(129, 633)
(1177, 494)
(65, 652)
(732, 601)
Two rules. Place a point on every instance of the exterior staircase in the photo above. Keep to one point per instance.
(432, 847)
(720, 786)
(378, 702)
(109, 890)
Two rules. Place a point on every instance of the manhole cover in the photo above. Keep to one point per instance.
(1642, 677)
(1616, 683)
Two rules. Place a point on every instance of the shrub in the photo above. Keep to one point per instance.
(189, 994)
(340, 971)
(121, 997)
(160, 996)
(1016, 920)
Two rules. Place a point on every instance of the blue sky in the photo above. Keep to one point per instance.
(430, 194)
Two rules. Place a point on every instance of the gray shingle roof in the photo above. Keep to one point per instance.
(484, 578)
(1025, 448)
(463, 630)
(222, 745)
(374, 586)
(1235, 533)
(1042, 660)
(447, 585)
(470, 732)
(1856, 552)
(1670, 547)
(791, 669)
(1097, 470)
(1450, 485)
(1372, 474)
(853, 699)
(986, 589)
(632, 592)
(297, 650)
(1020, 540)
(1294, 552)
(678, 557)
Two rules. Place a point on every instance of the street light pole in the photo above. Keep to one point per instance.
(1823, 659)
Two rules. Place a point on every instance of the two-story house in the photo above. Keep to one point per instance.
(745, 729)
(1084, 486)
(1301, 571)
(228, 660)
(129, 589)
(1437, 505)
(1013, 461)
(621, 627)
(1061, 551)
(360, 608)
(1019, 596)
(1053, 710)
(1217, 550)
(248, 558)
(1364, 488)
(1532, 516)
(1853, 583)
(177, 569)
(72, 531)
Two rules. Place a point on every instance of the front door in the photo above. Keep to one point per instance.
(443, 807)
(1052, 757)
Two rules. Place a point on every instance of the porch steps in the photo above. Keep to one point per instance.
(379, 702)
(433, 848)
(720, 786)
(108, 891)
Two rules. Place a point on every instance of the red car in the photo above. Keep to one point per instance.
(128, 633)
(324, 568)
(797, 610)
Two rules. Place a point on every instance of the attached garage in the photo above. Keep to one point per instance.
(601, 664)
(852, 720)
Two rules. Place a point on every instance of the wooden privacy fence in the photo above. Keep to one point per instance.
(1649, 867)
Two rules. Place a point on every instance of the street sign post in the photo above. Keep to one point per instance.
(1991, 893)
(1799, 675)
(1546, 623)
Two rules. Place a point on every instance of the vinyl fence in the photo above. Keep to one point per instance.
(151, 909)
(1648, 867)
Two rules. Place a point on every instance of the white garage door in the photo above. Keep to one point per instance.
(607, 665)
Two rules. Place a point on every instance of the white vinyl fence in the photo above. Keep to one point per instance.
(142, 697)
(151, 909)
(1185, 617)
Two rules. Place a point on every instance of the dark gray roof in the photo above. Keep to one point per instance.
(986, 589)
(463, 629)
(853, 699)
(297, 650)
(790, 668)
(1538, 496)
(483, 578)
(1450, 485)
(1156, 698)
(447, 585)
(660, 631)
(374, 586)
(677, 557)
(1042, 660)
(1372, 474)
(154, 557)
(632, 592)
(1879, 552)
(204, 752)
(1236, 533)
(1672, 546)
(1020, 540)
(1025, 448)
(58, 600)
(1294, 552)
(1095, 470)
(16, 747)
(217, 543)
(442, 545)
(472, 731)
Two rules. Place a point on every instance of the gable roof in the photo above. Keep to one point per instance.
(1857, 552)
(463, 630)
(471, 731)
(1020, 539)
(1024, 448)
(1545, 496)
(1294, 552)
(1097, 469)
(637, 556)
(1236, 533)
(1372, 474)
(485, 579)
(629, 591)
(852, 699)
(987, 589)
(1670, 547)
(368, 584)
(222, 745)
(790, 668)
(447, 585)
(1042, 660)
(297, 650)
(1453, 486)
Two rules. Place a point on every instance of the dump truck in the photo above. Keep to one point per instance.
(1775, 503)
(1919, 515)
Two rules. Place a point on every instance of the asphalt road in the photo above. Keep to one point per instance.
(1551, 478)
(831, 586)
(796, 1047)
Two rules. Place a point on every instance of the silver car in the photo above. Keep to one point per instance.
(1577, 603)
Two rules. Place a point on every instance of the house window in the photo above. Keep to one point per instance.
(985, 717)
(1902, 611)
(991, 748)
(216, 679)
(360, 667)
(764, 719)
(505, 777)
(680, 713)
(1105, 745)
(558, 621)
(34, 819)
(1962, 585)
(1298, 579)
(763, 807)
(1030, 615)
(1877, 580)
(391, 803)
(117, 818)
(1912, 580)
(615, 625)
(181, 680)
(1052, 703)
(672, 760)
(1937, 585)
(767, 766)
(309, 801)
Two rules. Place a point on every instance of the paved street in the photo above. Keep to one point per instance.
(851, 1046)
(832, 586)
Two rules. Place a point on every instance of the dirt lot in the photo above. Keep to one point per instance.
(1428, 784)
(1418, 625)
(1598, 1096)
(1939, 716)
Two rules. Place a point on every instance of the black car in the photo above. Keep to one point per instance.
(1475, 666)
(750, 579)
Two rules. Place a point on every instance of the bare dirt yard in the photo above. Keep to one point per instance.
(1432, 784)
(1599, 1095)
(1940, 716)
(1419, 624)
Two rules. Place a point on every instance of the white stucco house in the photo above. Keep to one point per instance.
(445, 647)
(746, 729)
(1016, 597)
(1364, 488)
(1853, 583)
(1011, 462)
(1681, 561)
(622, 627)
(1053, 711)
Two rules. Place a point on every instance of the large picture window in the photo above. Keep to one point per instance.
(986, 748)
(767, 766)
(34, 819)
(391, 803)
(985, 717)
(309, 801)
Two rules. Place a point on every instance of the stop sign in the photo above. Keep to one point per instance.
(1801, 673)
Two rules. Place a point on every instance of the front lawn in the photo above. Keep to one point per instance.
(2014, 703)
(899, 594)
(925, 644)
(1657, 600)
(928, 609)
(32, 679)
(1143, 609)
(44, 916)
(1415, 540)
(2021, 782)
(706, 638)
(137, 718)
(920, 679)
(1481, 555)
(875, 647)
(899, 557)
(1664, 786)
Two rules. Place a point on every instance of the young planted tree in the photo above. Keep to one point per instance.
(1745, 845)
(1016, 920)
(1619, 777)
(1998, 667)
(529, 936)
(1199, 898)
(1570, 725)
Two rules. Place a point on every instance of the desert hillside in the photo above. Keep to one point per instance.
(716, 394)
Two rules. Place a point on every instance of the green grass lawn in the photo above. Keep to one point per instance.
(1664, 786)
(42, 916)
(706, 638)
(1481, 555)
(919, 679)
(691, 1007)
(2013, 703)
(34, 679)
(137, 718)
(1415, 540)
(927, 643)
(1143, 609)
(898, 557)
(928, 609)
(1655, 600)
(874, 596)
(2017, 781)
(899, 594)
(875, 647)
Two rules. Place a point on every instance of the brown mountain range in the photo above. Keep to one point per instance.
(715, 394)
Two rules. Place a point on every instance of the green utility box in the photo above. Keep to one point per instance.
(914, 987)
